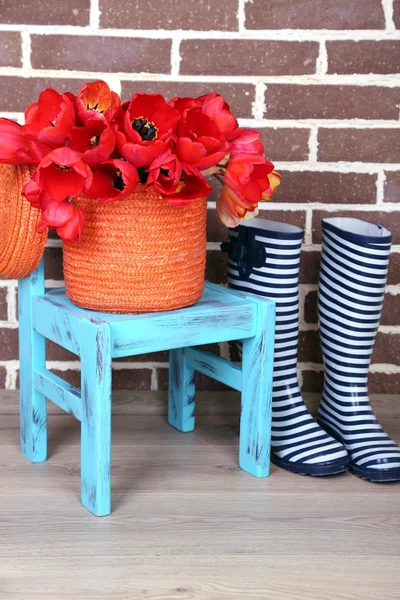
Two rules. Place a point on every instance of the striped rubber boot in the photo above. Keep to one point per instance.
(355, 257)
(264, 259)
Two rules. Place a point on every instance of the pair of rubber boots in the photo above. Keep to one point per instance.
(264, 259)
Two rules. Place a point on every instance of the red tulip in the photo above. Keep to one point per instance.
(183, 104)
(50, 119)
(148, 124)
(197, 154)
(209, 145)
(274, 180)
(67, 218)
(62, 173)
(215, 107)
(165, 172)
(230, 208)
(239, 169)
(37, 197)
(95, 141)
(95, 100)
(113, 180)
(246, 188)
(191, 186)
(13, 146)
(139, 155)
(247, 142)
(16, 149)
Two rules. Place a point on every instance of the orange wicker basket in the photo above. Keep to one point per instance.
(137, 255)
(21, 247)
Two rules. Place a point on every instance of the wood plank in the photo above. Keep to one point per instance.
(227, 577)
(62, 394)
(204, 523)
(218, 368)
(167, 468)
(143, 402)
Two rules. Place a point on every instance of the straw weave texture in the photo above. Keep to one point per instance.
(21, 247)
(139, 254)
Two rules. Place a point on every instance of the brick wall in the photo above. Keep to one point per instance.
(317, 78)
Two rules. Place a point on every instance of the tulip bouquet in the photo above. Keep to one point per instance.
(92, 144)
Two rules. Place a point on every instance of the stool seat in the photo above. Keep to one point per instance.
(220, 315)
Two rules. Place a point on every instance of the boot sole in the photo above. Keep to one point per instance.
(374, 475)
(320, 470)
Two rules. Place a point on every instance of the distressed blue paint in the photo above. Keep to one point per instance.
(220, 315)
(181, 391)
(216, 367)
(33, 422)
(256, 408)
(65, 395)
(96, 417)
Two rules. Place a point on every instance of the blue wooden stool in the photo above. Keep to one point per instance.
(220, 315)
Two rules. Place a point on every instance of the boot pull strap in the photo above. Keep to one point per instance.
(246, 251)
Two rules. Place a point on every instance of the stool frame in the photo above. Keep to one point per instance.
(221, 315)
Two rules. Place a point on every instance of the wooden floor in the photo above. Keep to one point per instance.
(186, 522)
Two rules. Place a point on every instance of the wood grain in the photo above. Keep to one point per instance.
(186, 522)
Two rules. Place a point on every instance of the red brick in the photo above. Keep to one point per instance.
(387, 349)
(149, 357)
(11, 53)
(8, 344)
(391, 310)
(3, 304)
(365, 145)
(3, 375)
(396, 13)
(310, 307)
(179, 14)
(309, 266)
(217, 232)
(309, 347)
(216, 267)
(313, 381)
(329, 187)
(71, 376)
(56, 352)
(247, 57)
(16, 93)
(203, 383)
(384, 383)
(53, 265)
(239, 96)
(390, 220)
(45, 12)
(364, 56)
(287, 101)
(131, 379)
(314, 14)
(108, 54)
(285, 144)
(394, 269)
(392, 186)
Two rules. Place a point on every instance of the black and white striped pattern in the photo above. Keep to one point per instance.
(355, 257)
(299, 444)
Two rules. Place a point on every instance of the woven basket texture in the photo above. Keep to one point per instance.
(21, 247)
(138, 255)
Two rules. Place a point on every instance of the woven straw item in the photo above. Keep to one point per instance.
(139, 254)
(21, 247)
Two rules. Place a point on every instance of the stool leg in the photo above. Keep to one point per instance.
(181, 391)
(256, 412)
(96, 418)
(32, 355)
